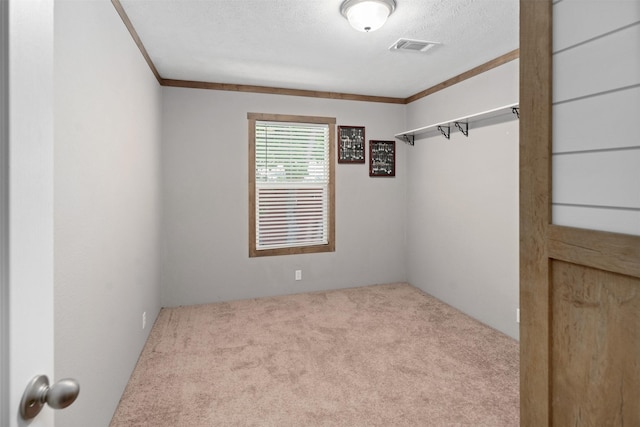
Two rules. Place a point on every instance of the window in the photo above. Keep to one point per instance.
(291, 184)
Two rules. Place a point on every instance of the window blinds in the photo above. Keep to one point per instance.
(292, 184)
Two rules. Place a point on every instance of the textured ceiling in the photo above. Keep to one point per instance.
(307, 44)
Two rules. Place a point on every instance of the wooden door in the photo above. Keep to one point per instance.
(580, 288)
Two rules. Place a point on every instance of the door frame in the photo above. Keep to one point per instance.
(4, 210)
(541, 242)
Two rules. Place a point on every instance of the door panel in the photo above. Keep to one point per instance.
(596, 88)
(591, 135)
(597, 178)
(595, 374)
(579, 288)
(619, 13)
(27, 209)
(600, 65)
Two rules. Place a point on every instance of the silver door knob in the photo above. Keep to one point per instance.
(38, 392)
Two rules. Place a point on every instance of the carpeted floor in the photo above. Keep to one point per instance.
(385, 355)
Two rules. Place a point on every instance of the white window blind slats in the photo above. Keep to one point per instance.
(292, 178)
(291, 217)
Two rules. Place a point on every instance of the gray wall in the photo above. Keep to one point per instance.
(462, 202)
(205, 202)
(106, 207)
(131, 157)
(596, 97)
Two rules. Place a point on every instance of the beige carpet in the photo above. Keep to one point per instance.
(386, 355)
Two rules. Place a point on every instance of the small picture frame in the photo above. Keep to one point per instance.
(382, 158)
(351, 144)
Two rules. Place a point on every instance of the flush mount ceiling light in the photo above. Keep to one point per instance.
(367, 15)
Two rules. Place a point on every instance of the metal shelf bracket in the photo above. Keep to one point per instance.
(409, 139)
(445, 131)
(463, 127)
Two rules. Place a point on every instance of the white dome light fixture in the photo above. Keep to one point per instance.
(367, 15)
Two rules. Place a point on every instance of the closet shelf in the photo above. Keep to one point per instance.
(463, 124)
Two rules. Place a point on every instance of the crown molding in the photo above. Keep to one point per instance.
(510, 56)
(136, 38)
(279, 91)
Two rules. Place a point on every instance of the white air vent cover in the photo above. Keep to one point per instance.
(412, 45)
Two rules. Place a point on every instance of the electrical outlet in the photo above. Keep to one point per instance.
(298, 274)
(144, 319)
(518, 315)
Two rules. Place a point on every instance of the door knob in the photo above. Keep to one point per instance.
(38, 392)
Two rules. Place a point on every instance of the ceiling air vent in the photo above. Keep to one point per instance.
(412, 45)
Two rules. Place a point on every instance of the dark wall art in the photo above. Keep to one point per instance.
(351, 144)
(382, 158)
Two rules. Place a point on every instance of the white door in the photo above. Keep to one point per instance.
(26, 203)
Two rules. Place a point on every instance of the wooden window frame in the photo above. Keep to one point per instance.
(330, 246)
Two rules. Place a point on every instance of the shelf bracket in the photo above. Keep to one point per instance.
(445, 131)
(463, 127)
(516, 111)
(409, 139)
